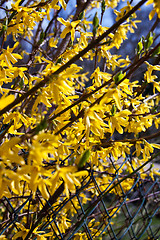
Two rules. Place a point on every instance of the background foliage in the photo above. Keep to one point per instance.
(77, 152)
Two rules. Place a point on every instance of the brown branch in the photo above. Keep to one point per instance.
(20, 215)
(51, 22)
(154, 135)
(6, 9)
(45, 209)
(41, 4)
(111, 142)
(131, 141)
(127, 202)
(140, 62)
(99, 99)
(91, 45)
(6, 130)
(63, 45)
(154, 26)
(86, 95)
(80, 115)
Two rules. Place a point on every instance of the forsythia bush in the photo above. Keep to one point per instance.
(58, 121)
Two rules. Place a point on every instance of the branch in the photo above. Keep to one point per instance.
(80, 115)
(45, 209)
(63, 45)
(132, 141)
(103, 85)
(91, 208)
(91, 45)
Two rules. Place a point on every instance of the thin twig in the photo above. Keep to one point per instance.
(45, 209)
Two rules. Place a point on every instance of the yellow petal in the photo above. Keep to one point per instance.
(64, 33)
(6, 101)
(80, 173)
(117, 99)
(72, 34)
(62, 21)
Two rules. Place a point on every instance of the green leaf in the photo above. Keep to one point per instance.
(84, 159)
(156, 52)
(148, 41)
(114, 109)
(21, 83)
(42, 35)
(59, 60)
(103, 6)
(95, 21)
(41, 126)
(118, 77)
(139, 47)
(95, 24)
(81, 15)
(5, 24)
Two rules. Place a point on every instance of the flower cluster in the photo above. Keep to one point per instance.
(54, 113)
